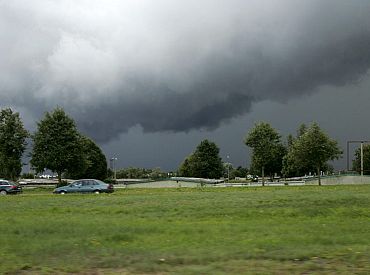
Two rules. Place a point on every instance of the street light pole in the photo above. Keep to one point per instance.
(361, 153)
(114, 167)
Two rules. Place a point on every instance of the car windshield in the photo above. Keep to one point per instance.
(100, 182)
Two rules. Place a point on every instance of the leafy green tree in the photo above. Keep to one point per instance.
(185, 169)
(12, 143)
(131, 173)
(157, 173)
(110, 174)
(273, 166)
(290, 140)
(366, 159)
(28, 176)
(230, 170)
(57, 145)
(291, 168)
(95, 162)
(313, 148)
(205, 162)
(141, 173)
(268, 150)
(301, 130)
(240, 172)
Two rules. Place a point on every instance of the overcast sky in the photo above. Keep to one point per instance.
(148, 80)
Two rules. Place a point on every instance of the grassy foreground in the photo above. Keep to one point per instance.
(273, 230)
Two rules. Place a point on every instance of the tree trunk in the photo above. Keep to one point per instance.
(263, 175)
(319, 175)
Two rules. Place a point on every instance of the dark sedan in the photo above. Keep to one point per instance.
(85, 186)
(9, 187)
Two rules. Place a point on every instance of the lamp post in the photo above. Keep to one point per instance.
(228, 168)
(114, 167)
(361, 153)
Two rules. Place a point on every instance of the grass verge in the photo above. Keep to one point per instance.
(188, 231)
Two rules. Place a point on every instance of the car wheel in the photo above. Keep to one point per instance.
(97, 191)
(3, 192)
(62, 192)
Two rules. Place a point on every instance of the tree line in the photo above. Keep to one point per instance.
(307, 152)
(141, 173)
(57, 145)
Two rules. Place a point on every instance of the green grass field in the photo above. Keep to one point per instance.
(271, 230)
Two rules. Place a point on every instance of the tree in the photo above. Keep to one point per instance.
(301, 130)
(228, 170)
(292, 168)
(205, 162)
(268, 150)
(157, 173)
(313, 148)
(141, 173)
(232, 172)
(366, 159)
(239, 172)
(95, 162)
(57, 145)
(185, 169)
(12, 143)
(290, 140)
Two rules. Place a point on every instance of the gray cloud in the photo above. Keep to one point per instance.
(171, 66)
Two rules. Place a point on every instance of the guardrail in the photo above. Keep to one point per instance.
(198, 180)
(41, 181)
(268, 183)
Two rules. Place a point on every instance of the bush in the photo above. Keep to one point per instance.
(110, 180)
(62, 183)
(28, 176)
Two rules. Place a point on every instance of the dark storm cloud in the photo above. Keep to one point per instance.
(171, 65)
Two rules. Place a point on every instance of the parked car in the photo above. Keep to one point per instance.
(85, 186)
(9, 187)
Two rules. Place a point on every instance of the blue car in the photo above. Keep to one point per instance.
(9, 187)
(85, 186)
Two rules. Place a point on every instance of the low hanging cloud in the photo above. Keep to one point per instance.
(174, 66)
